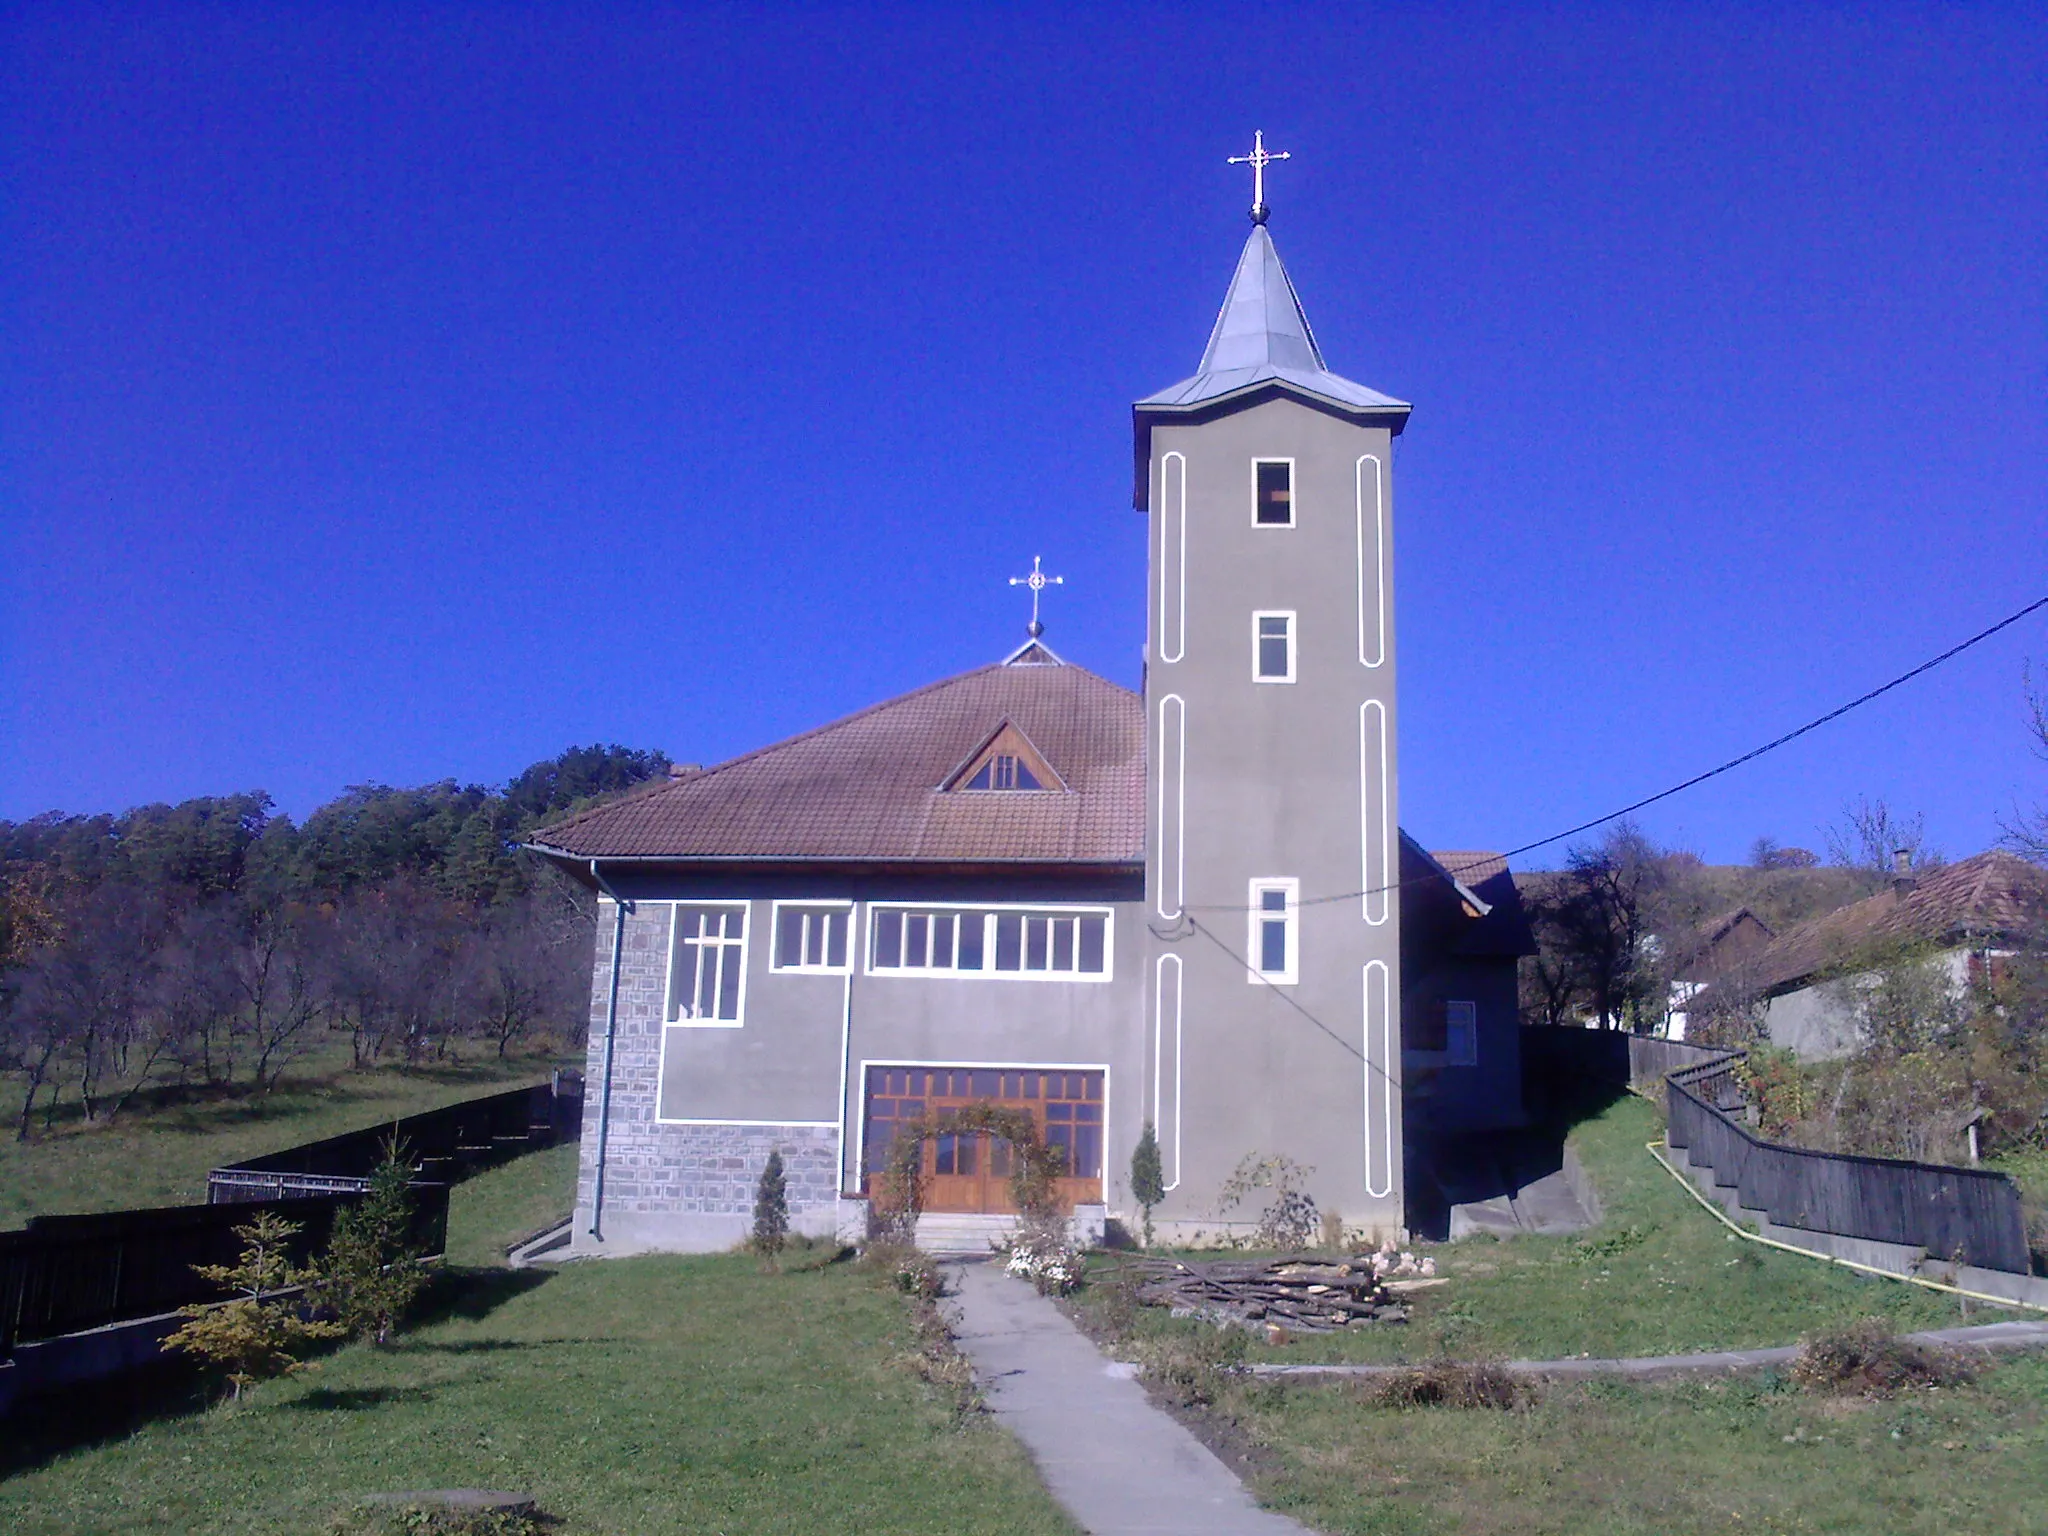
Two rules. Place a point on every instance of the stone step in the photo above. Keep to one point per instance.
(961, 1233)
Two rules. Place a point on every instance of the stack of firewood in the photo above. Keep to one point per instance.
(1301, 1295)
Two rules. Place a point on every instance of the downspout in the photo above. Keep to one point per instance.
(620, 907)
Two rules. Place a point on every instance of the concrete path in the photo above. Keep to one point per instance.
(1119, 1466)
(1989, 1336)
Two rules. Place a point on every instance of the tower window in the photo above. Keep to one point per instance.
(1274, 942)
(1273, 493)
(1273, 647)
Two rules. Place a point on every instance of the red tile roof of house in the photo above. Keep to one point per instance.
(867, 788)
(1986, 898)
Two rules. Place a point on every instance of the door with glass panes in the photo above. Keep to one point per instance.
(970, 1171)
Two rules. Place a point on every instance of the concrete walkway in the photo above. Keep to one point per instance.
(2027, 1334)
(1118, 1465)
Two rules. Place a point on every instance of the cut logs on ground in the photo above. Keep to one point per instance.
(1301, 1295)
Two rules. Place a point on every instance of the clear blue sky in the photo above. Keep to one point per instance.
(393, 393)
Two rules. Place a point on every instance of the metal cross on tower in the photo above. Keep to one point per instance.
(1037, 581)
(1258, 160)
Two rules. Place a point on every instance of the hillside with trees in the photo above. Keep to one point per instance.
(213, 943)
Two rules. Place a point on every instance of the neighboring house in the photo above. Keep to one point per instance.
(1963, 915)
(1716, 951)
(1027, 884)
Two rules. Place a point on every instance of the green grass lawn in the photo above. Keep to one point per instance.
(1655, 1460)
(633, 1396)
(159, 1155)
(1658, 1276)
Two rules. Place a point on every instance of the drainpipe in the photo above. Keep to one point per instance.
(620, 907)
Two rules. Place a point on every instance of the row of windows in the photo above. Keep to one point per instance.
(707, 949)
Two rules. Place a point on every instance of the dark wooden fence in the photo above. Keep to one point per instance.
(65, 1274)
(447, 1144)
(1969, 1213)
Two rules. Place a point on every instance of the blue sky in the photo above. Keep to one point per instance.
(395, 393)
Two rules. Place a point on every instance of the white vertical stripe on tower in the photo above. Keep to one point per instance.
(1173, 557)
(1165, 1042)
(1379, 1083)
(1372, 565)
(1374, 833)
(1173, 795)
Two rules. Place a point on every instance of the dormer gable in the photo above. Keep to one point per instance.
(1006, 762)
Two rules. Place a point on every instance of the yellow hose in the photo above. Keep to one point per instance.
(1869, 1269)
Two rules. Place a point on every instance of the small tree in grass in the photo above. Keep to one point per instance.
(371, 1271)
(1148, 1178)
(255, 1336)
(771, 1210)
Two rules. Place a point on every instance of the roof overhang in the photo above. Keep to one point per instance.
(584, 867)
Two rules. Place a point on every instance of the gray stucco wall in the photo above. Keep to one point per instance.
(775, 1079)
(1277, 783)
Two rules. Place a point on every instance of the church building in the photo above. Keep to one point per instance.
(1192, 907)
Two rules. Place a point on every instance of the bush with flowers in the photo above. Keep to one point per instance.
(1041, 1254)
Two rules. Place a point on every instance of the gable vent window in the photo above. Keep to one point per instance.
(1047, 945)
(1274, 941)
(811, 938)
(1273, 493)
(707, 965)
(1273, 647)
(1004, 772)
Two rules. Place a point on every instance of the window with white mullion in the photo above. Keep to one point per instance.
(970, 941)
(707, 965)
(1273, 647)
(812, 937)
(1273, 946)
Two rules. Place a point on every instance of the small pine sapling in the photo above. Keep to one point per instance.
(372, 1271)
(1148, 1177)
(254, 1337)
(771, 1210)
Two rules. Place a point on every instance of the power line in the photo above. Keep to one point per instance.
(1700, 778)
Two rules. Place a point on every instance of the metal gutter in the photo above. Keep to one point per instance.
(620, 907)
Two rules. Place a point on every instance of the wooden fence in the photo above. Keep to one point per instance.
(447, 1144)
(65, 1274)
(1969, 1214)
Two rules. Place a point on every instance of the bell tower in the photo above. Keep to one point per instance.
(1272, 846)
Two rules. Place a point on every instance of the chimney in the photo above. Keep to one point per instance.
(1903, 880)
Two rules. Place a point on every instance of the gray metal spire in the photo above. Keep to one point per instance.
(1262, 337)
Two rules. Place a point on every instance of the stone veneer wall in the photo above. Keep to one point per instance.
(681, 1187)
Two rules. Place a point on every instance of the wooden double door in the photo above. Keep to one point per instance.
(970, 1171)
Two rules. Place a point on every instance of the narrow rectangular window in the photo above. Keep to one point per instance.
(1461, 1034)
(1273, 493)
(1273, 647)
(1274, 942)
(811, 938)
(707, 965)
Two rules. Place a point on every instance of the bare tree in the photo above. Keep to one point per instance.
(2027, 832)
(1869, 836)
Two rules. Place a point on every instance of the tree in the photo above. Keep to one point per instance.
(257, 1335)
(372, 1270)
(1148, 1177)
(2027, 832)
(771, 1210)
(1869, 838)
(1767, 853)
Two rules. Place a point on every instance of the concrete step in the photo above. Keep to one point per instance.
(961, 1234)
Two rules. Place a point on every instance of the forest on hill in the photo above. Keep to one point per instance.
(215, 942)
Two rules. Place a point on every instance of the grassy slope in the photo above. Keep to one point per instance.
(160, 1156)
(1658, 1276)
(632, 1396)
(1703, 1457)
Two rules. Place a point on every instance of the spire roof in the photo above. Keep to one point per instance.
(1262, 337)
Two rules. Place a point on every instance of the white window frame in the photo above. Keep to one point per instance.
(1461, 1033)
(1293, 490)
(775, 965)
(1293, 643)
(1257, 916)
(668, 992)
(991, 909)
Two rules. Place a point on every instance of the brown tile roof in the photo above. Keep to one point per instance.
(866, 788)
(1989, 897)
